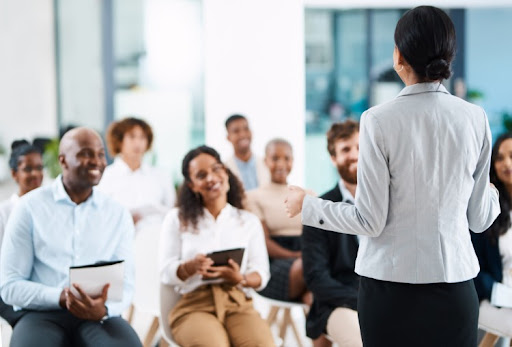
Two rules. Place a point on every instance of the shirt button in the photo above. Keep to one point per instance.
(321, 221)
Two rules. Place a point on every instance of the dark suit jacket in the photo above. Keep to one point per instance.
(491, 268)
(328, 260)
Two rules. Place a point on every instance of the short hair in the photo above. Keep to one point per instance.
(117, 130)
(425, 36)
(277, 141)
(233, 118)
(340, 131)
(19, 148)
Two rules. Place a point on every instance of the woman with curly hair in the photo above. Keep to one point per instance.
(146, 191)
(209, 217)
(494, 248)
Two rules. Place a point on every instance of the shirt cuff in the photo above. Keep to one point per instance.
(308, 215)
(52, 297)
(172, 274)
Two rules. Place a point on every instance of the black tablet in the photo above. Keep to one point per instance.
(220, 258)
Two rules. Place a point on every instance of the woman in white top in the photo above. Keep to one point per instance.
(146, 191)
(26, 164)
(215, 308)
(422, 182)
(494, 248)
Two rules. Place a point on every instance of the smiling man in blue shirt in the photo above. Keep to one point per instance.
(67, 224)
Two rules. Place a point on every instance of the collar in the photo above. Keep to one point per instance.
(426, 87)
(226, 211)
(247, 163)
(60, 194)
(121, 165)
(347, 196)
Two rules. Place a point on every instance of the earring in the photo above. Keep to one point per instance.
(394, 67)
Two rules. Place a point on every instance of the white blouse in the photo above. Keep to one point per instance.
(233, 228)
(146, 191)
(6, 207)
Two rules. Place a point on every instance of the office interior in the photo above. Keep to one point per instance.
(292, 67)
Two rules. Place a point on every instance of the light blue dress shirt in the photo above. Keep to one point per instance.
(422, 183)
(248, 173)
(47, 233)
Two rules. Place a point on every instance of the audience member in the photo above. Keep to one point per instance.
(494, 248)
(145, 190)
(26, 164)
(282, 234)
(250, 169)
(422, 181)
(53, 228)
(215, 309)
(329, 258)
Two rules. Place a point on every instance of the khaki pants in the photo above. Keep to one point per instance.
(218, 315)
(343, 328)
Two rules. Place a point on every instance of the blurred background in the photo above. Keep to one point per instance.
(292, 67)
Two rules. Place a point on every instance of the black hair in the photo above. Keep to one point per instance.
(190, 204)
(425, 36)
(502, 223)
(20, 148)
(233, 118)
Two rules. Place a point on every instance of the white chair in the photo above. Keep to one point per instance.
(286, 322)
(168, 299)
(147, 279)
(5, 333)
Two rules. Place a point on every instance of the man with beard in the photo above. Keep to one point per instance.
(53, 228)
(251, 170)
(329, 257)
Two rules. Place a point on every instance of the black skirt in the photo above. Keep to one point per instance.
(401, 314)
(277, 287)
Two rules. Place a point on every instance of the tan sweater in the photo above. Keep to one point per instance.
(267, 202)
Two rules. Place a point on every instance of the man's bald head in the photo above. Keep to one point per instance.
(82, 158)
(77, 135)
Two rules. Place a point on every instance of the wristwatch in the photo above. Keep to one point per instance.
(105, 317)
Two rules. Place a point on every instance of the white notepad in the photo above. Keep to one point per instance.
(92, 278)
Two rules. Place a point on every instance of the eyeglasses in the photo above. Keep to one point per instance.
(29, 169)
(216, 169)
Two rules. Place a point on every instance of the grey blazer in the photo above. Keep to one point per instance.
(423, 181)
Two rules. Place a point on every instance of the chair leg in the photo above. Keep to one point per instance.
(129, 319)
(272, 315)
(295, 330)
(489, 340)
(150, 336)
(284, 323)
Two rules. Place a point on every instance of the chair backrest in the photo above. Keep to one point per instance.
(147, 277)
(168, 299)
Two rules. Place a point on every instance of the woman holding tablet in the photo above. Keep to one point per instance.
(209, 217)
(422, 182)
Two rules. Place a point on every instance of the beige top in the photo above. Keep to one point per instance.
(267, 202)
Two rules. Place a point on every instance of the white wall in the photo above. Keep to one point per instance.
(254, 65)
(27, 70)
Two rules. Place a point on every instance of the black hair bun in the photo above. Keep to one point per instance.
(18, 143)
(437, 69)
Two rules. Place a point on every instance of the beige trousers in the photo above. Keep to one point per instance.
(343, 328)
(218, 315)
